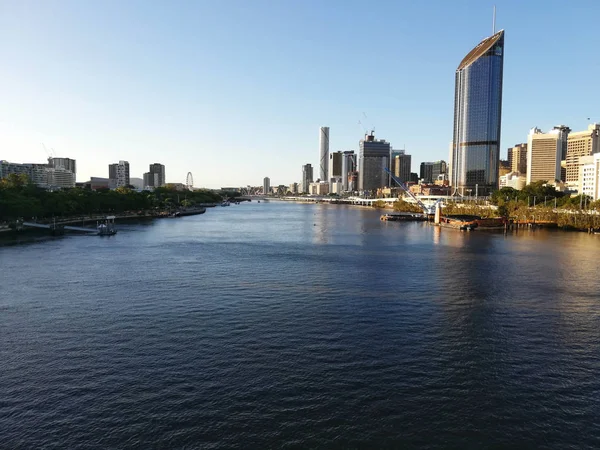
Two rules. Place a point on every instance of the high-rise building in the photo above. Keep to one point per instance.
(431, 171)
(566, 130)
(348, 170)
(373, 159)
(324, 153)
(579, 144)
(64, 164)
(151, 180)
(160, 170)
(335, 169)
(155, 177)
(266, 186)
(401, 165)
(544, 153)
(307, 177)
(293, 188)
(517, 158)
(477, 118)
(335, 164)
(118, 174)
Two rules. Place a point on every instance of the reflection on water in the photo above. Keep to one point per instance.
(277, 324)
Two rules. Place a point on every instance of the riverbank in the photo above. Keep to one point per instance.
(92, 220)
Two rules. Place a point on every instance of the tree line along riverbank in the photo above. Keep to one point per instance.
(21, 199)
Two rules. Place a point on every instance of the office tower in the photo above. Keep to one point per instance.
(293, 188)
(307, 177)
(426, 172)
(335, 164)
(118, 174)
(566, 131)
(430, 171)
(544, 152)
(348, 170)
(517, 158)
(266, 186)
(477, 118)
(324, 153)
(579, 144)
(373, 159)
(335, 169)
(400, 166)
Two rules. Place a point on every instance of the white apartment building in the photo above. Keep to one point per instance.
(589, 176)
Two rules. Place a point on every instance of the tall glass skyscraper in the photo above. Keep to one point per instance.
(477, 117)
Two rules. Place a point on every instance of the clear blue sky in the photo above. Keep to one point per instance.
(234, 91)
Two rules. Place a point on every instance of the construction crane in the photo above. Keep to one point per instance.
(426, 209)
(50, 153)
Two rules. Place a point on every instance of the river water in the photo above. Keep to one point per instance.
(280, 325)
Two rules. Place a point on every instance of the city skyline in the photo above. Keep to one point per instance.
(140, 100)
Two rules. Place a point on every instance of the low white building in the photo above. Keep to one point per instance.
(513, 180)
(589, 176)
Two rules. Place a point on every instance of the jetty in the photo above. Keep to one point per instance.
(105, 228)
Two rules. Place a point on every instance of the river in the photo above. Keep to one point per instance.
(272, 324)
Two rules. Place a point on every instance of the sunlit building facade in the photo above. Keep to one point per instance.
(324, 153)
(477, 118)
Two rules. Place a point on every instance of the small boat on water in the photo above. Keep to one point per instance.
(225, 203)
(394, 217)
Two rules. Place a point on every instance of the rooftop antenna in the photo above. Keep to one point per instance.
(494, 22)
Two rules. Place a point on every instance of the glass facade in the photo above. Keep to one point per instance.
(373, 159)
(477, 118)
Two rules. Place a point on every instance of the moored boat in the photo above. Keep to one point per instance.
(491, 223)
(459, 222)
(393, 217)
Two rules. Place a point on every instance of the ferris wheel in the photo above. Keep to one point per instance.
(189, 181)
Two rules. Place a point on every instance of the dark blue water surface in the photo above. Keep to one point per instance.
(278, 325)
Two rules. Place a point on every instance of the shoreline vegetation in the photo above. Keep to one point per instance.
(536, 204)
(20, 199)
